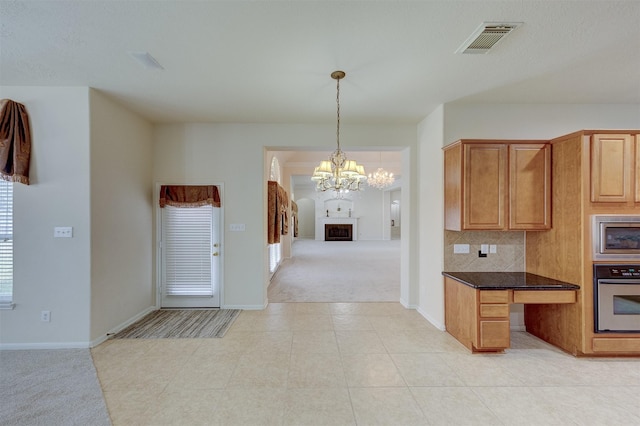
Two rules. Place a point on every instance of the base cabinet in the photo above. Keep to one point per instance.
(479, 319)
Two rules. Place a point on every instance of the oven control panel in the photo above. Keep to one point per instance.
(625, 272)
(617, 271)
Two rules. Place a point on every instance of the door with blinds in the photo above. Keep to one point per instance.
(190, 257)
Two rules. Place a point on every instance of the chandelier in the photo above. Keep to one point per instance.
(381, 178)
(338, 173)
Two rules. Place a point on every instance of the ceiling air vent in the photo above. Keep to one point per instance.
(486, 36)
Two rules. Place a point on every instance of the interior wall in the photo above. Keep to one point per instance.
(533, 121)
(52, 274)
(430, 212)
(235, 154)
(121, 215)
(306, 215)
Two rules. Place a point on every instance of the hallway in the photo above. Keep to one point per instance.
(339, 271)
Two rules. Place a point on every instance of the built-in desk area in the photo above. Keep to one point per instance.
(477, 304)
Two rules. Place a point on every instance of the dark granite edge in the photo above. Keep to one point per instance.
(557, 285)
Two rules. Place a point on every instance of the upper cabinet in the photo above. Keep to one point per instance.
(614, 176)
(497, 185)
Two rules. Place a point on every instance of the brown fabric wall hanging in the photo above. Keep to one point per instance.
(15, 142)
(277, 212)
(189, 195)
(294, 217)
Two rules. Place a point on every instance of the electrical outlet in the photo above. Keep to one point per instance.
(236, 227)
(493, 248)
(45, 316)
(461, 248)
(63, 232)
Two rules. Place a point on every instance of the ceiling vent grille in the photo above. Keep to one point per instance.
(486, 36)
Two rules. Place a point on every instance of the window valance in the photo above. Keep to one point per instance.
(15, 142)
(189, 195)
(277, 209)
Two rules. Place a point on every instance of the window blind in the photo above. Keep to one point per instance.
(186, 241)
(6, 241)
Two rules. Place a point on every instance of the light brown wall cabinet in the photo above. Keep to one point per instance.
(497, 185)
(614, 168)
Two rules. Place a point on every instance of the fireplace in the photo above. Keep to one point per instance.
(338, 232)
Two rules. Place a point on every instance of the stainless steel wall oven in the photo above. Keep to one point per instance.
(617, 298)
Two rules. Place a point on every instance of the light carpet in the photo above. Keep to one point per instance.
(50, 387)
(181, 323)
(339, 271)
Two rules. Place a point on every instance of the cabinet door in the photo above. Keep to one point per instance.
(494, 334)
(611, 168)
(530, 186)
(485, 168)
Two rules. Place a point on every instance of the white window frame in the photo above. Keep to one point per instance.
(6, 244)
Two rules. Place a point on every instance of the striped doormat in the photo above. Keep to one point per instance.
(181, 323)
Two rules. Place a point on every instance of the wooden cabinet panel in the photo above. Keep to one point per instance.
(494, 310)
(636, 169)
(619, 345)
(611, 168)
(542, 296)
(453, 188)
(494, 334)
(494, 296)
(485, 170)
(529, 186)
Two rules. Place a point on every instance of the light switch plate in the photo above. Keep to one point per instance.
(484, 248)
(493, 248)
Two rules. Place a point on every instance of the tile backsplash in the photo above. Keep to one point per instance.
(509, 256)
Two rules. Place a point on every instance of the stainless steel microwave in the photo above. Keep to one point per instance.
(616, 237)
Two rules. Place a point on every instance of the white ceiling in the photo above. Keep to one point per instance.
(269, 61)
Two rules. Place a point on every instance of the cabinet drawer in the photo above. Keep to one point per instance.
(494, 311)
(494, 334)
(494, 296)
(544, 296)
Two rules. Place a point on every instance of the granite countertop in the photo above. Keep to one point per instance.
(509, 281)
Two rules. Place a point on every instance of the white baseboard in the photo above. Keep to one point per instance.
(122, 326)
(44, 345)
(437, 324)
(245, 307)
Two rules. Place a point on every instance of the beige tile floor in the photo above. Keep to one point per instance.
(357, 364)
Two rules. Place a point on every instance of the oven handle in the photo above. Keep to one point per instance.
(619, 281)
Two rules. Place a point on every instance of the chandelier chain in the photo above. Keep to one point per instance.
(338, 112)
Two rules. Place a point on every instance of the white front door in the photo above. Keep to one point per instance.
(190, 257)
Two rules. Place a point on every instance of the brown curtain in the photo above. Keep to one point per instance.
(189, 195)
(294, 217)
(15, 142)
(277, 212)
